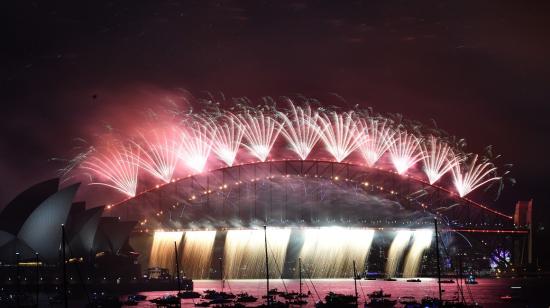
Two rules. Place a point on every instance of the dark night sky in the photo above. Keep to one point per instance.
(482, 70)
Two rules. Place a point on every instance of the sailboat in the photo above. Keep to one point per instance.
(297, 298)
(270, 294)
(341, 300)
(186, 293)
(429, 302)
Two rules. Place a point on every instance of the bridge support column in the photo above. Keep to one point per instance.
(523, 217)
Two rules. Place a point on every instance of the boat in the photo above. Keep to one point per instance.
(297, 298)
(378, 294)
(390, 279)
(202, 304)
(471, 279)
(137, 297)
(270, 297)
(381, 302)
(341, 300)
(298, 301)
(407, 300)
(274, 292)
(458, 304)
(134, 299)
(220, 300)
(131, 302)
(211, 294)
(167, 300)
(289, 295)
(433, 302)
(446, 281)
(294, 295)
(414, 280)
(337, 300)
(246, 298)
(189, 294)
(439, 302)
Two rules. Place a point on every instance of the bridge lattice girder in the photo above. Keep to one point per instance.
(265, 192)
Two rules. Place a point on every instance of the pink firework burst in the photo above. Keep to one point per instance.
(260, 132)
(299, 129)
(117, 167)
(227, 139)
(339, 134)
(438, 158)
(378, 137)
(158, 153)
(404, 151)
(196, 143)
(472, 174)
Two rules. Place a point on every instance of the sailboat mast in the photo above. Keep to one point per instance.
(221, 273)
(37, 278)
(177, 265)
(459, 280)
(438, 262)
(355, 283)
(300, 274)
(266, 267)
(65, 295)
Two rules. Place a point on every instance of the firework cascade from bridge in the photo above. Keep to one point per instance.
(315, 176)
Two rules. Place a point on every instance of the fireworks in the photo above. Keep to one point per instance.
(339, 134)
(378, 137)
(227, 139)
(260, 132)
(438, 158)
(158, 151)
(300, 130)
(404, 151)
(196, 143)
(117, 167)
(158, 154)
(473, 175)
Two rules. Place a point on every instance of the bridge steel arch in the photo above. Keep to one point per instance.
(258, 193)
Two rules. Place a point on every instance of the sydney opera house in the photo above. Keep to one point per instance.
(31, 236)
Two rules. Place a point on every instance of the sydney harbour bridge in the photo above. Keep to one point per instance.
(361, 187)
(323, 202)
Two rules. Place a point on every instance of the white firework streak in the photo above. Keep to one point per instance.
(196, 143)
(159, 157)
(438, 158)
(260, 132)
(227, 139)
(299, 131)
(377, 139)
(118, 167)
(404, 151)
(339, 134)
(472, 176)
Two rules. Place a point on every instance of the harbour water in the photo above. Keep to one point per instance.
(487, 292)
